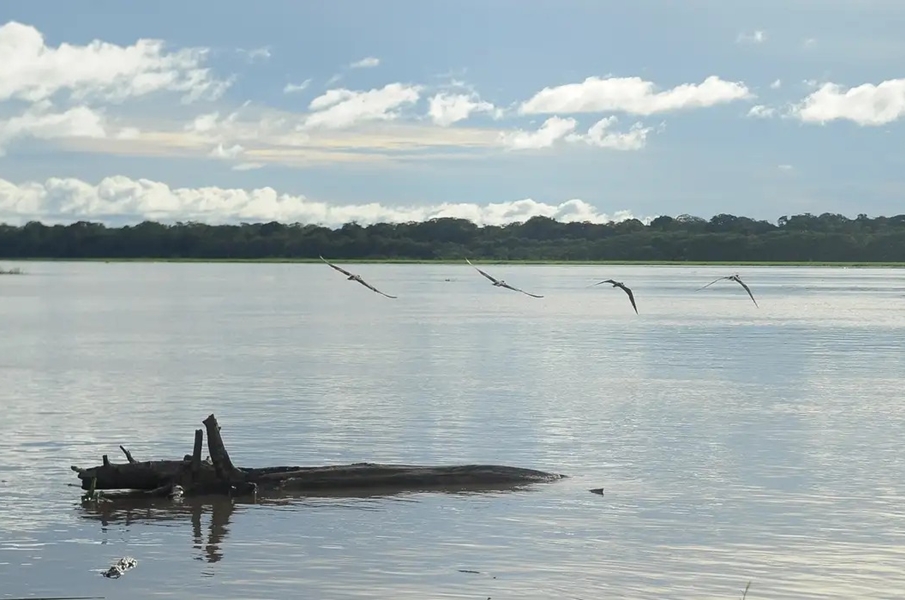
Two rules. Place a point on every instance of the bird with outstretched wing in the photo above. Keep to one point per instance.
(352, 277)
(501, 283)
(622, 286)
(736, 279)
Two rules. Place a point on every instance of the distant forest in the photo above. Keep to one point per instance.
(800, 238)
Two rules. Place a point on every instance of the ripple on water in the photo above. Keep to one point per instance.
(734, 443)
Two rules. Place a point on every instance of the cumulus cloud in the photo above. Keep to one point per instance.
(123, 200)
(601, 135)
(340, 108)
(776, 84)
(553, 129)
(232, 152)
(761, 111)
(254, 127)
(77, 93)
(33, 71)
(632, 95)
(365, 63)
(866, 104)
(42, 122)
(446, 109)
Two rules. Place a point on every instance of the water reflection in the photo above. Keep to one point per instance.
(127, 513)
(735, 443)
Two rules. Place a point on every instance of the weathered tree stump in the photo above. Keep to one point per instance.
(217, 475)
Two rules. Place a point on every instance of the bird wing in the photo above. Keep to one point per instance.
(747, 289)
(372, 288)
(340, 269)
(491, 278)
(711, 283)
(604, 281)
(631, 297)
(515, 289)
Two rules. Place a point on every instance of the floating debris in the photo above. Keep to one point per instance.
(190, 476)
(120, 566)
(597, 491)
(473, 572)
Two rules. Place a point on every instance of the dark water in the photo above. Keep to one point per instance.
(735, 443)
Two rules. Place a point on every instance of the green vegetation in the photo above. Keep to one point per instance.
(801, 239)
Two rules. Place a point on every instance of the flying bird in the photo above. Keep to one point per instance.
(357, 278)
(736, 279)
(619, 284)
(501, 283)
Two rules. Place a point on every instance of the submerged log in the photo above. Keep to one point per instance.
(171, 490)
(218, 475)
(146, 475)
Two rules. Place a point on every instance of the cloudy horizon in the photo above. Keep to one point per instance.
(315, 114)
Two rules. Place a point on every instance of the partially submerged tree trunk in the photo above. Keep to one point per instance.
(218, 475)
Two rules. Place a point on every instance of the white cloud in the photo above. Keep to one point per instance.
(341, 108)
(269, 136)
(632, 95)
(776, 84)
(128, 133)
(247, 166)
(785, 167)
(41, 123)
(601, 136)
(254, 54)
(866, 104)
(365, 63)
(446, 109)
(296, 87)
(32, 71)
(553, 129)
(761, 111)
(122, 199)
(212, 126)
(757, 37)
(232, 152)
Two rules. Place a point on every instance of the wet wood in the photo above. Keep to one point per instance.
(196, 455)
(165, 491)
(128, 454)
(220, 457)
(219, 476)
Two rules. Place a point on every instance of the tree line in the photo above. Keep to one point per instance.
(799, 238)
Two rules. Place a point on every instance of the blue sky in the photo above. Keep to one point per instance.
(494, 111)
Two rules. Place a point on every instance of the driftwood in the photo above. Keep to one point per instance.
(217, 475)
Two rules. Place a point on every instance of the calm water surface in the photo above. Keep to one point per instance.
(735, 443)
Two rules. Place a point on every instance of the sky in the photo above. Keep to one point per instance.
(404, 110)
